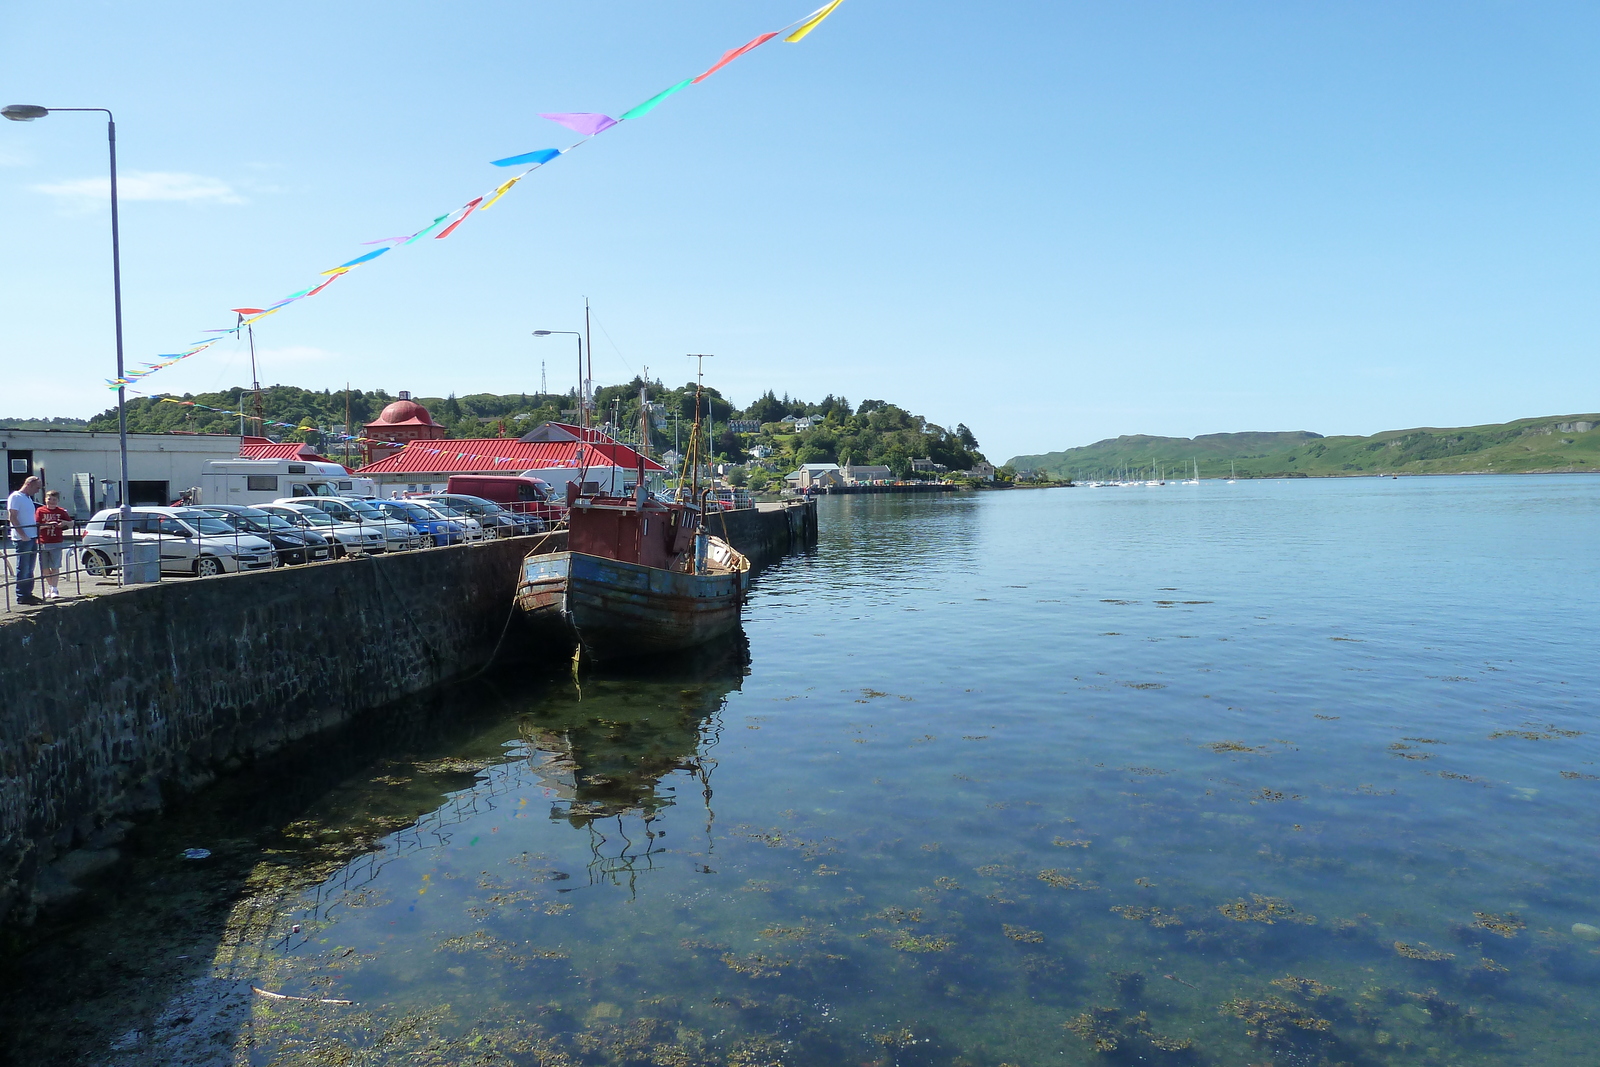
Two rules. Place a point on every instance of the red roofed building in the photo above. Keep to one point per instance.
(428, 464)
(403, 421)
(262, 448)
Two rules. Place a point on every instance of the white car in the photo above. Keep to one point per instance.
(473, 528)
(350, 537)
(398, 536)
(188, 544)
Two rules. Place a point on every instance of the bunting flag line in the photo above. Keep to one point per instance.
(734, 53)
(654, 102)
(587, 124)
(811, 22)
(584, 122)
(470, 207)
(539, 157)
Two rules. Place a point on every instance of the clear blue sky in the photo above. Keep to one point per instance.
(1053, 221)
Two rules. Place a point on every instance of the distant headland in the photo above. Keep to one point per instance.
(1551, 444)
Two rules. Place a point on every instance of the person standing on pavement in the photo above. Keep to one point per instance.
(52, 519)
(21, 512)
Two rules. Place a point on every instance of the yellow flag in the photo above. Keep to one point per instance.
(498, 193)
(811, 23)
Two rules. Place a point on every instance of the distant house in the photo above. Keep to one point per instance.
(745, 425)
(817, 475)
(928, 466)
(790, 419)
(984, 472)
(806, 423)
(760, 451)
(864, 474)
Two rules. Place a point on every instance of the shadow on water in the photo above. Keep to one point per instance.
(155, 962)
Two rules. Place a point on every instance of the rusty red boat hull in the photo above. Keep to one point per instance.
(616, 609)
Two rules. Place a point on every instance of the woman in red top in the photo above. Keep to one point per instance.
(52, 520)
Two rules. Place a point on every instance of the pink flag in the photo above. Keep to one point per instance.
(583, 122)
(729, 57)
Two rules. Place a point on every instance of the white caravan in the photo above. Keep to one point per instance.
(261, 481)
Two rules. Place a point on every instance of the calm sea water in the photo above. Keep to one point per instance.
(1274, 772)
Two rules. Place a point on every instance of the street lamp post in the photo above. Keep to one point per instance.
(582, 420)
(27, 113)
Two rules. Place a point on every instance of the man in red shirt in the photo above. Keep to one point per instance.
(53, 519)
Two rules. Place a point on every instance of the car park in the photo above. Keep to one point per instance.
(192, 543)
(294, 544)
(437, 528)
(348, 537)
(398, 535)
(496, 520)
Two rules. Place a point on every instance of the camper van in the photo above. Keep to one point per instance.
(261, 481)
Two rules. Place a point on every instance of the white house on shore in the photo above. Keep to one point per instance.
(815, 475)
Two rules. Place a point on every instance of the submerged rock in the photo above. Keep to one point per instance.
(1586, 932)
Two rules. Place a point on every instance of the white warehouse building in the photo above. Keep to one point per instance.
(85, 465)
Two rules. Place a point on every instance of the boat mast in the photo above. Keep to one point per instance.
(694, 435)
(588, 381)
(644, 415)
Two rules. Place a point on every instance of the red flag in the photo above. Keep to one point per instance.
(442, 234)
(729, 57)
(325, 284)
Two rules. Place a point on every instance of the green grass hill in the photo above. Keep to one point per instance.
(1526, 446)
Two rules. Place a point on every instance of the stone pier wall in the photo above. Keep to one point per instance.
(105, 702)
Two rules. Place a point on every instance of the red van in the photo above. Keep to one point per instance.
(527, 496)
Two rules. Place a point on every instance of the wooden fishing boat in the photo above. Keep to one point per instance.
(640, 576)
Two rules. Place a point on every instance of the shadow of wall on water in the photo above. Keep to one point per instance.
(153, 963)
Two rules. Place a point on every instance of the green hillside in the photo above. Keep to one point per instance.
(1551, 443)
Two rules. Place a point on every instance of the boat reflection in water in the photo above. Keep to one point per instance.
(604, 753)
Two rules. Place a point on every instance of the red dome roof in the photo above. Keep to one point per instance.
(405, 411)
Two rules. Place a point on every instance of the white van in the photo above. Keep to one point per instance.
(261, 481)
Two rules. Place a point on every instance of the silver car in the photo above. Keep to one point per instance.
(188, 544)
(398, 536)
(351, 538)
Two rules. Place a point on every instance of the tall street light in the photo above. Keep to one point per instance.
(582, 420)
(27, 113)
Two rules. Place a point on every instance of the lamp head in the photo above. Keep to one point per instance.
(24, 112)
(541, 333)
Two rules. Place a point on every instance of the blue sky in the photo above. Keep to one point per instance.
(1053, 221)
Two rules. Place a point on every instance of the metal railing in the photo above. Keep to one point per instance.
(71, 569)
(98, 562)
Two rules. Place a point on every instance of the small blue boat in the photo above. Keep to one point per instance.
(640, 577)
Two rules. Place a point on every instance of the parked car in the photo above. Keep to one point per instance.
(440, 530)
(348, 537)
(293, 543)
(397, 535)
(188, 543)
(471, 527)
(496, 520)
